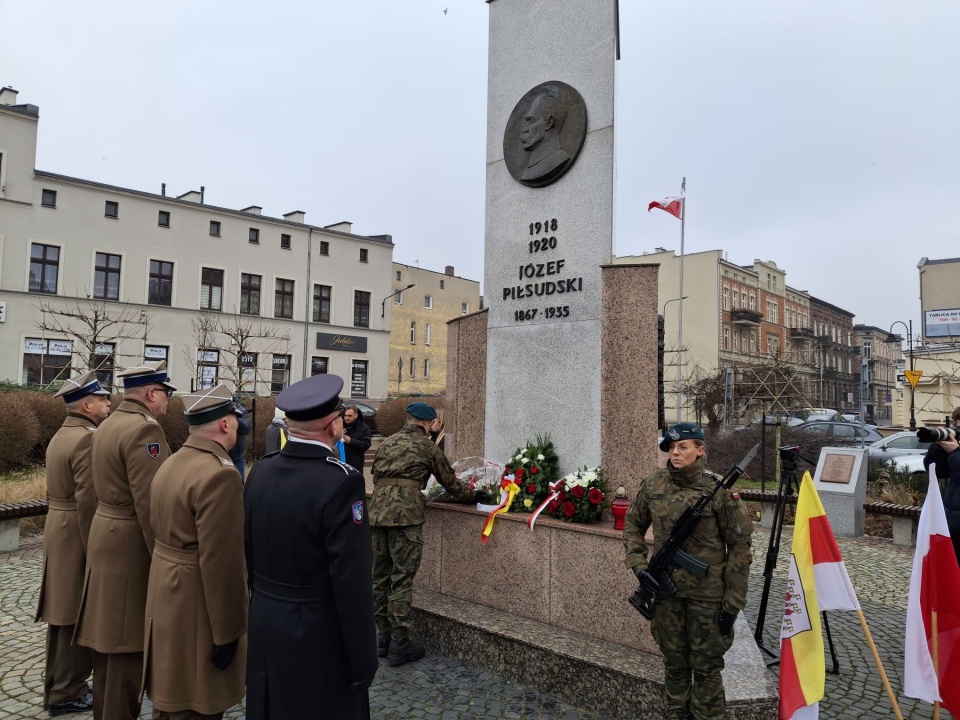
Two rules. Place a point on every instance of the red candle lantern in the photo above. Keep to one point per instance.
(619, 508)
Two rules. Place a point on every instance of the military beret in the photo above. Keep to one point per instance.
(312, 398)
(209, 405)
(422, 411)
(146, 374)
(78, 388)
(681, 431)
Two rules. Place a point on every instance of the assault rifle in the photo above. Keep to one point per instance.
(657, 576)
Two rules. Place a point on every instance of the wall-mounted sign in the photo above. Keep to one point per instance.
(351, 343)
(942, 323)
(837, 468)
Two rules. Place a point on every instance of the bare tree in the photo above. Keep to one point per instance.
(234, 349)
(95, 331)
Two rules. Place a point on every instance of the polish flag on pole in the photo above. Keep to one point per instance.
(932, 647)
(671, 205)
(817, 580)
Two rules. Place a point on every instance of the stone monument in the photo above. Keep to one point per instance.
(549, 221)
(841, 482)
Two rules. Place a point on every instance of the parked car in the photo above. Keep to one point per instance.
(369, 415)
(897, 445)
(913, 464)
(771, 421)
(839, 432)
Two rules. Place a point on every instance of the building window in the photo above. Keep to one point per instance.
(464, 308)
(48, 198)
(163, 219)
(215, 228)
(753, 342)
(103, 360)
(161, 283)
(106, 277)
(324, 247)
(250, 294)
(426, 368)
(413, 367)
(413, 332)
(736, 337)
(319, 365)
(398, 298)
(284, 242)
(441, 284)
(358, 378)
(428, 302)
(152, 353)
(322, 295)
(735, 299)
(753, 302)
(283, 299)
(364, 254)
(773, 345)
(46, 361)
(111, 209)
(361, 308)
(726, 338)
(247, 363)
(398, 276)
(211, 289)
(208, 367)
(280, 373)
(726, 298)
(254, 236)
(44, 268)
(426, 335)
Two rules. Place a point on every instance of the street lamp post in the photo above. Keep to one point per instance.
(679, 349)
(894, 338)
(383, 305)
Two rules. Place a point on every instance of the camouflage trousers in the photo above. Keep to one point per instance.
(396, 558)
(693, 648)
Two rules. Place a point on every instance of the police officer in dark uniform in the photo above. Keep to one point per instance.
(312, 638)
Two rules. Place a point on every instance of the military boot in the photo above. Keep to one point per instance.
(383, 645)
(404, 650)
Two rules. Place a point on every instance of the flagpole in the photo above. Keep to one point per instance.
(936, 654)
(879, 664)
(683, 215)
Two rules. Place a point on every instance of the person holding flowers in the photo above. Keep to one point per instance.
(694, 626)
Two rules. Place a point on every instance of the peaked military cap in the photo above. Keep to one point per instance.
(209, 405)
(79, 387)
(422, 411)
(681, 431)
(146, 374)
(312, 398)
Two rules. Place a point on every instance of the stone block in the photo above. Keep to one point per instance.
(905, 531)
(9, 535)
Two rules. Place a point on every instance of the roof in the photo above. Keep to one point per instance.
(27, 109)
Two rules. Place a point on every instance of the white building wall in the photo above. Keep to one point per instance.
(79, 227)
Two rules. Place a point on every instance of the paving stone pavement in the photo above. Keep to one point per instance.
(435, 688)
(438, 688)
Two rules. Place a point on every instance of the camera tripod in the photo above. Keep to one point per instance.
(789, 456)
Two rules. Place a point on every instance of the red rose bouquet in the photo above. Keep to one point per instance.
(533, 467)
(583, 496)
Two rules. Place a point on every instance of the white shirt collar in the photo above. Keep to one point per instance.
(309, 442)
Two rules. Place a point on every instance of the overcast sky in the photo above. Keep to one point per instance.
(820, 135)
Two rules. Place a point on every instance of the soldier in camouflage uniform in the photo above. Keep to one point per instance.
(401, 468)
(693, 628)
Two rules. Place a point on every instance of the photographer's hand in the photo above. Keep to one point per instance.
(949, 445)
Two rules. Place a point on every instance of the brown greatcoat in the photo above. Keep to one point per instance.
(198, 582)
(64, 538)
(128, 449)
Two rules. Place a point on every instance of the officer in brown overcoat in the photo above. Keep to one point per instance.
(196, 617)
(65, 688)
(128, 449)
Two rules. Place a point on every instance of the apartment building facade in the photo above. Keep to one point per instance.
(423, 302)
(93, 275)
(883, 355)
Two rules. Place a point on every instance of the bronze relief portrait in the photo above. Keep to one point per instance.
(545, 134)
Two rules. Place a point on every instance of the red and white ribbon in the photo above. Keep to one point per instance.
(555, 490)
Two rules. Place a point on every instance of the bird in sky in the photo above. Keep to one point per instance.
(445, 10)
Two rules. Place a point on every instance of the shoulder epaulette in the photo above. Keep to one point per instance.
(342, 465)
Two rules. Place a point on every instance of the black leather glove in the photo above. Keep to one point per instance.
(362, 684)
(222, 655)
(725, 621)
(483, 497)
(648, 582)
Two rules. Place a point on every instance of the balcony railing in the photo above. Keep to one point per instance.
(825, 340)
(745, 317)
(801, 333)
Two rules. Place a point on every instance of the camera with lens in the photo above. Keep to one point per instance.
(933, 434)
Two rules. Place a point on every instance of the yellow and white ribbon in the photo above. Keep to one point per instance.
(511, 488)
